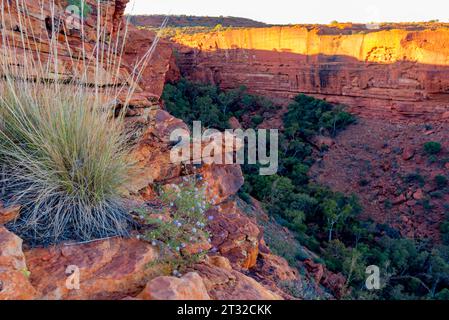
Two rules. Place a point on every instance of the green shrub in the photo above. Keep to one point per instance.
(181, 223)
(257, 120)
(364, 182)
(441, 181)
(432, 148)
(444, 229)
(415, 177)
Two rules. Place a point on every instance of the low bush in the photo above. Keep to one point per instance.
(432, 148)
(257, 120)
(181, 230)
(441, 181)
(415, 177)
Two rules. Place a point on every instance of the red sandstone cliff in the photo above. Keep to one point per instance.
(118, 268)
(387, 72)
(41, 22)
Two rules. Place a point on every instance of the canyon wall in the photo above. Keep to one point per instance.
(31, 24)
(239, 265)
(395, 72)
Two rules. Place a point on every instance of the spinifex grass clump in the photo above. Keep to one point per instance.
(63, 148)
(63, 161)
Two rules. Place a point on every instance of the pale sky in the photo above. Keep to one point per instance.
(299, 11)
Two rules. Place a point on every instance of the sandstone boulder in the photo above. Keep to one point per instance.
(419, 195)
(189, 287)
(152, 152)
(234, 123)
(14, 281)
(336, 283)
(223, 181)
(408, 153)
(235, 236)
(223, 284)
(106, 269)
(8, 214)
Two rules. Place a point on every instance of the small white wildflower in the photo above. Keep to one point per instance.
(194, 230)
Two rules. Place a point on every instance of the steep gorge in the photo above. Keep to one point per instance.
(396, 72)
(118, 268)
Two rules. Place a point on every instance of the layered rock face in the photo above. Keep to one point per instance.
(129, 268)
(77, 45)
(396, 73)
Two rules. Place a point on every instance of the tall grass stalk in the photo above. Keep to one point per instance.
(64, 152)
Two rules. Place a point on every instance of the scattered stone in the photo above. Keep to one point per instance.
(8, 214)
(234, 123)
(234, 235)
(225, 284)
(189, 287)
(419, 195)
(408, 153)
(220, 262)
(399, 200)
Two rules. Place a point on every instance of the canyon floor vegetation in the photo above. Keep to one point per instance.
(324, 221)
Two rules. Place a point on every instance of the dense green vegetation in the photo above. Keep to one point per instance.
(432, 147)
(324, 221)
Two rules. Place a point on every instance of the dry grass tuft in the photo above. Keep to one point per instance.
(63, 147)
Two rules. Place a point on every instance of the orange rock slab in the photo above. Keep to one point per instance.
(108, 269)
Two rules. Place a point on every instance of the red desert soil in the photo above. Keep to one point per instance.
(371, 160)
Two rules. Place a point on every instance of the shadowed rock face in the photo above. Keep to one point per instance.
(395, 72)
